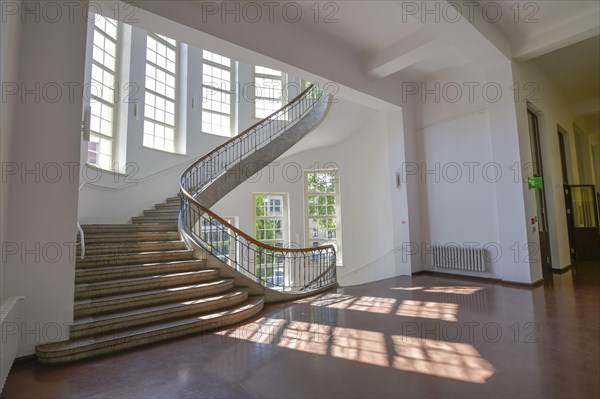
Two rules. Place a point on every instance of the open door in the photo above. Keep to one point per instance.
(582, 209)
(540, 195)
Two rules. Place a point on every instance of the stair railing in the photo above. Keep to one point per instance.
(280, 268)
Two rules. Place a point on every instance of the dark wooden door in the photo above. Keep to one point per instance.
(540, 195)
(583, 212)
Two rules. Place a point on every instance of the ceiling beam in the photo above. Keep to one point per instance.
(404, 53)
(565, 34)
(476, 41)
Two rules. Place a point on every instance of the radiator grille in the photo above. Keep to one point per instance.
(459, 258)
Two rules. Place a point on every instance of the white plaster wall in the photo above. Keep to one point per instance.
(41, 220)
(10, 43)
(153, 175)
(368, 244)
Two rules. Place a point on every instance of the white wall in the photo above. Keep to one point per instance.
(467, 144)
(366, 184)
(41, 222)
(10, 44)
(553, 111)
(153, 175)
(457, 199)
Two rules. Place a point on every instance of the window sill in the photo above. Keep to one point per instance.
(217, 135)
(164, 151)
(101, 169)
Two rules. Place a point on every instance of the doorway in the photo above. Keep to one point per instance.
(540, 195)
(567, 192)
(583, 215)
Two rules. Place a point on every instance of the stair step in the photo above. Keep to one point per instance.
(128, 228)
(115, 322)
(168, 206)
(120, 272)
(172, 200)
(66, 351)
(154, 219)
(117, 248)
(118, 303)
(133, 258)
(143, 236)
(137, 284)
(162, 212)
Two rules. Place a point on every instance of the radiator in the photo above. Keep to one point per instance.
(459, 258)
(9, 335)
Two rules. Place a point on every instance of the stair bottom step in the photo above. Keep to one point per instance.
(121, 321)
(68, 351)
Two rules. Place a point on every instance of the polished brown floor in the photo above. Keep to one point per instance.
(425, 336)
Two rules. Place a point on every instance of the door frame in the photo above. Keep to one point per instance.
(538, 170)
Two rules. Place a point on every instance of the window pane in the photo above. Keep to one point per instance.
(103, 92)
(160, 95)
(216, 94)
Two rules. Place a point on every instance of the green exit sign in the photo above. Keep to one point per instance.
(535, 182)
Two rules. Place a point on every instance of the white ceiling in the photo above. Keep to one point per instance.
(373, 46)
(574, 70)
(364, 27)
(590, 123)
(538, 17)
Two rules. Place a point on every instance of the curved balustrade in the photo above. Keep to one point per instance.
(284, 269)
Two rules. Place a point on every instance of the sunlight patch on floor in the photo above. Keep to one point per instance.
(429, 310)
(457, 361)
(371, 304)
(454, 290)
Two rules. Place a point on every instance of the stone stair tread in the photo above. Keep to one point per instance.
(155, 329)
(132, 243)
(155, 308)
(149, 293)
(103, 248)
(145, 278)
(117, 225)
(128, 254)
(156, 263)
(132, 237)
(115, 269)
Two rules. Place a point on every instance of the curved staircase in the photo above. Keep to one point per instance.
(141, 282)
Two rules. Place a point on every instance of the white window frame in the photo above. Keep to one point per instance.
(284, 219)
(176, 47)
(310, 238)
(231, 92)
(259, 92)
(94, 97)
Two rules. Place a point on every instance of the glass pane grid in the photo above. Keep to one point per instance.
(103, 92)
(259, 70)
(216, 94)
(217, 59)
(321, 209)
(160, 95)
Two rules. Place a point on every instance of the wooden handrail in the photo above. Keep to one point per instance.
(250, 238)
(223, 222)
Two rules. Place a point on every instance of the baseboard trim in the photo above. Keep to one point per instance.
(563, 270)
(25, 359)
(482, 279)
